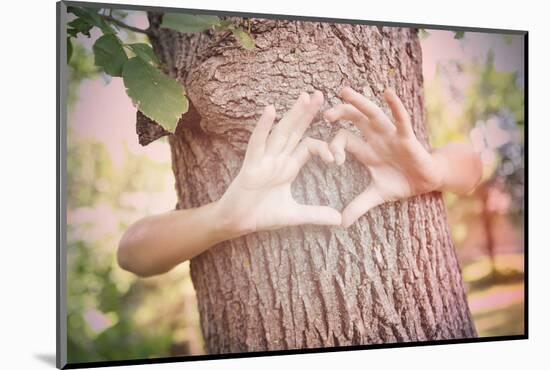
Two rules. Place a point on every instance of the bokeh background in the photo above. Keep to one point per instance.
(474, 91)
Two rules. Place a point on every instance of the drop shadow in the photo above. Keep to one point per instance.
(47, 358)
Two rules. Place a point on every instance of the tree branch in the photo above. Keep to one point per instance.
(124, 25)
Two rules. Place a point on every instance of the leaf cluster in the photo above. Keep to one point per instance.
(157, 95)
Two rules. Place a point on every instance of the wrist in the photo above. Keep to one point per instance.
(228, 223)
(460, 167)
(441, 168)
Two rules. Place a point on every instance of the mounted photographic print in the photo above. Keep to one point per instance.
(234, 184)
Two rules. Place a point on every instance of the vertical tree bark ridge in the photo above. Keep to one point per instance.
(391, 277)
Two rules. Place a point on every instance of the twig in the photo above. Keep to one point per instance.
(124, 25)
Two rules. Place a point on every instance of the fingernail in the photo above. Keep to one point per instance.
(339, 158)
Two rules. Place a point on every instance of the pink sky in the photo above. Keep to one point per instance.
(441, 47)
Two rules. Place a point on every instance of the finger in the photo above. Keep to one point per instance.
(400, 115)
(315, 215)
(309, 147)
(360, 205)
(377, 118)
(257, 141)
(347, 141)
(279, 136)
(301, 124)
(349, 113)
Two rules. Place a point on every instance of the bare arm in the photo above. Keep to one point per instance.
(460, 167)
(259, 198)
(156, 244)
(399, 166)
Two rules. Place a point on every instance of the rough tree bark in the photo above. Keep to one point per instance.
(391, 277)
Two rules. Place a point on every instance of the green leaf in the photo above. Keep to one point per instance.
(72, 32)
(69, 49)
(159, 97)
(109, 54)
(189, 22)
(92, 17)
(459, 35)
(145, 52)
(79, 25)
(224, 26)
(244, 38)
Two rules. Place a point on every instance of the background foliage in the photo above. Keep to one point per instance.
(488, 225)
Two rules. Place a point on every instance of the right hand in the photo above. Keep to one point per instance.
(399, 166)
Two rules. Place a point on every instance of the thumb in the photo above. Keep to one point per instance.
(347, 141)
(360, 205)
(316, 215)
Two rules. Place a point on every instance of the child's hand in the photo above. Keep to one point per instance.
(259, 198)
(399, 165)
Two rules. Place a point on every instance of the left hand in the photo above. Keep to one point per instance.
(259, 198)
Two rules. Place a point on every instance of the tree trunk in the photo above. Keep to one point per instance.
(391, 277)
